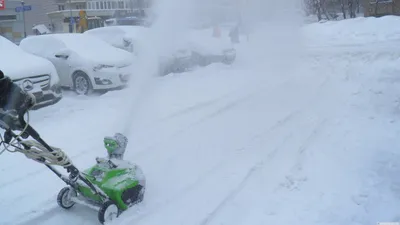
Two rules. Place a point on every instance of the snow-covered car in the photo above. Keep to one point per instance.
(32, 73)
(197, 48)
(130, 38)
(84, 63)
(207, 49)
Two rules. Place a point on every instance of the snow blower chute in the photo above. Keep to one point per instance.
(111, 186)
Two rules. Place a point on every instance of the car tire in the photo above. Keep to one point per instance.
(82, 84)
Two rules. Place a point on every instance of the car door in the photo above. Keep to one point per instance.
(61, 61)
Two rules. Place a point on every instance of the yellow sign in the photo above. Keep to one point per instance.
(83, 23)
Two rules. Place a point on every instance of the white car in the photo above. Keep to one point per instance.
(33, 74)
(197, 48)
(84, 63)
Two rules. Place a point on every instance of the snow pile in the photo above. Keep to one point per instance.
(354, 31)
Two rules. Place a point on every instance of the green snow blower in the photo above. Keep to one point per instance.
(111, 186)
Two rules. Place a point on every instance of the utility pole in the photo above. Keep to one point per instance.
(23, 17)
(70, 17)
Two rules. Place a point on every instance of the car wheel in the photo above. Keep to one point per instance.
(82, 84)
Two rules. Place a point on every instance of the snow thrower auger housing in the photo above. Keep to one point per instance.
(111, 186)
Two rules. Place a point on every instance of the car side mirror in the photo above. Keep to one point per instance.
(127, 41)
(63, 54)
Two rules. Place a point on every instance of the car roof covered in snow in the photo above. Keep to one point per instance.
(115, 35)
(90, 48)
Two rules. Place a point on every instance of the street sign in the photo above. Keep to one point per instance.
(23, 8)
(2, 4)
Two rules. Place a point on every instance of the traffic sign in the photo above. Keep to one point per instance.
(2, 4)
(23, 8)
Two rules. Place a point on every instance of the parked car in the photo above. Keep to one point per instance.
(207, 49)
(198, 48)
(129, 38)
(33, 74)
(84, 63)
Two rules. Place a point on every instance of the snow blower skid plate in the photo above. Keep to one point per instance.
(118, 185)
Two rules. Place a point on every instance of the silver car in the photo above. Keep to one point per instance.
(33, 74)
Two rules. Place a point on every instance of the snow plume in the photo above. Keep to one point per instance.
(272, 25)
(274, 34)
(172, 18)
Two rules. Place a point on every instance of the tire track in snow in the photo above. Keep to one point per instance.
(230, 196)
(293, 179)
(195, 107)
(214, 113)
(261, 138)
(279, 124)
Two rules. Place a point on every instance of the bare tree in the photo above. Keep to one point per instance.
(343, 8)
(358, 6)
(317, 7)
(308, 6)
(352, 12)
(323, 8)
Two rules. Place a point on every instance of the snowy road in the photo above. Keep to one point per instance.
(310, 144)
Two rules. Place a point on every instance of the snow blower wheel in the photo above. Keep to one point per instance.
(108, 212)
(64, 197)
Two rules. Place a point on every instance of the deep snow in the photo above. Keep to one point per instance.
(263, 141)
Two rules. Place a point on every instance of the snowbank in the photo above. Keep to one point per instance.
(353, 31)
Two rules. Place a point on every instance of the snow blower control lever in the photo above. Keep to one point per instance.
(38, 150)
(14, 104)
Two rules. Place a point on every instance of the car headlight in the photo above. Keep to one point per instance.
(101, 66)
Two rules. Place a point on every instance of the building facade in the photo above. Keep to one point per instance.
(97, 11)
(11, 22)
(381, 7)
(14, 24)
(37, 15)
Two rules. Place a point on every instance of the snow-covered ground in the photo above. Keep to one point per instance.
(310, 140)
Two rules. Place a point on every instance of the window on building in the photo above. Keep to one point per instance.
(114, 5)
(109, 5)
(120, 5)
(8, 17)
(61, 7)
(97, 5)
(101, 5)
